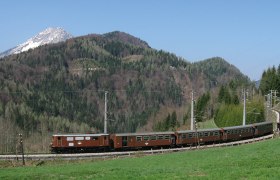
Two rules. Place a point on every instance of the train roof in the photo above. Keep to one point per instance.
(261, 123)
(77, 135)
(246, 126)
(145, 133)
(199, 130)
(238, 127)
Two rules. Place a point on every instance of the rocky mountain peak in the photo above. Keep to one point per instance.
(48, 36)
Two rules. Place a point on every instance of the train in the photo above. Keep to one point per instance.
(79, 143)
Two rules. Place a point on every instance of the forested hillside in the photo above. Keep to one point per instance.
(60, 88)
(270, 80)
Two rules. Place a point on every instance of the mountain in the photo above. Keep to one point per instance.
(126, 38)
(215, 68)
(48, 36)
(60, 87)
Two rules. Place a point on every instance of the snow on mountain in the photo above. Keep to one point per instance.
(48, 36)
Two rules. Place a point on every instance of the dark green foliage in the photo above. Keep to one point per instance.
(228, 115)
(200, 106)
(224, 95)
(232, 115)
(270, 80)
(169, 123)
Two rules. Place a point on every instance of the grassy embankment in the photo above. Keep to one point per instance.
(209, 124)
(254, 161)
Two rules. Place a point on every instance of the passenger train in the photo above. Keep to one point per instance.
(77, 143)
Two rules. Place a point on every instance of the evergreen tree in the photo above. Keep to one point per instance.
(173, 122)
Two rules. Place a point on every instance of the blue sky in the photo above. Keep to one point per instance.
(244, 32)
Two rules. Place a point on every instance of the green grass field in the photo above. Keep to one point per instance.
(252, 161)
(209, 124)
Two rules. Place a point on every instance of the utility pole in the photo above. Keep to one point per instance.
(244, 107)
(21, 145)
(105, 113)
(268, 105)
(274, 97)
(192, 114)
(197, 135)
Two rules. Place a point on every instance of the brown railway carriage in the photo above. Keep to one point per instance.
(193, 137)
(79, 142)
(142, 140)
(263, 128)
(237, 132)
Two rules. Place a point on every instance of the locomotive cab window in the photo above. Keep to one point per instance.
(146, 138)
(138, 138)
(79, 138)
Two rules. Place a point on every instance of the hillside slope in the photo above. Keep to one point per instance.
(60, 87)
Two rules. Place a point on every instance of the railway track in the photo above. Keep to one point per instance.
(126, 153)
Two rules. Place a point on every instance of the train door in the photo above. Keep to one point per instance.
(59, 141)
(255, 131)
(173, 140)
(124, 141)
(101, 141)
(106, 139)
(223, 135)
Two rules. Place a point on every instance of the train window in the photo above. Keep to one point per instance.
(124, 140)
(59, 138)
(184, 136)
(206, 134)
(160, 137)
(94, 138)
(166, 137)
(146, 138)
(138, 138)
(87, 138)
(190, 135)
(79, 138)
(69, 138)
(153, 137)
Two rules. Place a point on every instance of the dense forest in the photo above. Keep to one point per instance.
(59, 88)
(270, 80)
